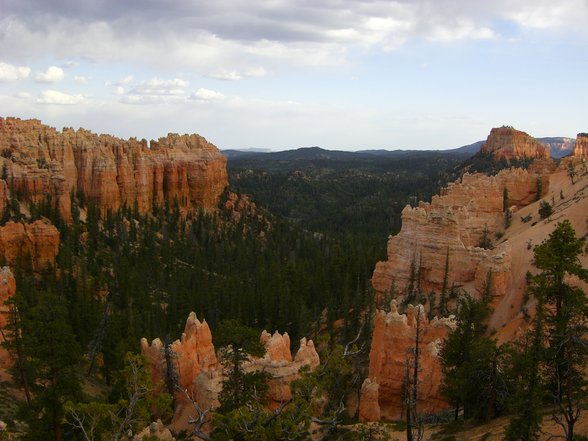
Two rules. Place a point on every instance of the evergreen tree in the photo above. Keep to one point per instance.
(467, 356)
(566, 321)
(53, 354)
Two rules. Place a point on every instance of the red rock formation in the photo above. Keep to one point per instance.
(506, 142)
(200, 373)
(37, 243)
(109, 171)
(4, 195)
(280, 366)
(581, 149)
(394, 336)
(450, 229)
(196, 365)
(7, 289)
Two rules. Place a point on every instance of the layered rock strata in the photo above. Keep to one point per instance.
(581, 149)
(7, 290)
(509, 143)
(393, 341)
(444, 236)
(108, 171)
(34, 244)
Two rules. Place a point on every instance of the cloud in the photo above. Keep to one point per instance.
(157, 86)
(154, 91)
(224, 39)
(8, 72)
(203, 94)
(56, 97)
(52, 75)
(80, 79)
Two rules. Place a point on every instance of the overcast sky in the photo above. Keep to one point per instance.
(340, 74)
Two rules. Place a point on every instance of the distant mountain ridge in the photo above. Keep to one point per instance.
(560, 146)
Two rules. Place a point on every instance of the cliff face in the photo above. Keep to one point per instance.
(509, 143)
(108, 171)
(7, 289)
(36, 244)
(393, 338)
(447, 232)
(581, 149)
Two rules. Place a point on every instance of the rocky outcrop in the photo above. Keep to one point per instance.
(109, 171)
(446, 233)
(392, 341)
(34, 244)
(581, 149)
(280, 366)
(509, 143)
(4, 195)
(7, 290)
(197, 368)
(200, 373)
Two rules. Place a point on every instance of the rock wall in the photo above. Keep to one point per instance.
(581, 149)
(108, 171)
(449, 230)
(7, 289)
(392, 341)
(509, 143)
(36, 244)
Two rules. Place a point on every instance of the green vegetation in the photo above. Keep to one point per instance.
(362, 195)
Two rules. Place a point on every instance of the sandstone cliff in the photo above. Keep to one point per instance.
(7, 289)
(581, 149)
(509, 143)
(440, 239)
(108, 171)
(34, 244)
(446, 233)
(392, 340)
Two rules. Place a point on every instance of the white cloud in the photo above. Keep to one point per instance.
(543, 14)
(23, 95)
(154, 91)
(203, 94)
(223, 74)
(51, 75)
(80, 79)
(8, 72)
(151, 99)
(157, 86)
(56, 97)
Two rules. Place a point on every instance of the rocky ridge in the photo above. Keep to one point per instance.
(38, 161)
(439, 246)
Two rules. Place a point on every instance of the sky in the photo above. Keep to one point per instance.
(281, 74)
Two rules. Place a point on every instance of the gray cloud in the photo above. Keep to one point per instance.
(236, 35)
